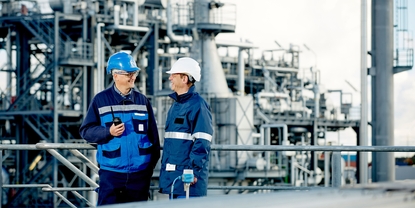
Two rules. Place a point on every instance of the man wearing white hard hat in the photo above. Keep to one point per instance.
(188, 133)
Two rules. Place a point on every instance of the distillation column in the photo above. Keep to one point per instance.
(382, 89)
(204, 50)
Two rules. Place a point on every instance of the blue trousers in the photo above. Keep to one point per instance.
(115, 188)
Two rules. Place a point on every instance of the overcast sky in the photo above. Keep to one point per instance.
(331, 29)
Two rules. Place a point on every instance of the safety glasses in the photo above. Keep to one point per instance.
(131, 74)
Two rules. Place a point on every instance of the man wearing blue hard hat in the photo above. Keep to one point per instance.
(121, 121)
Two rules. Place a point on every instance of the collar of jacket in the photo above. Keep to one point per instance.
(183, 97)
(119, 98)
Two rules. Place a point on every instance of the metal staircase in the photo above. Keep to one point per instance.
(35, 95)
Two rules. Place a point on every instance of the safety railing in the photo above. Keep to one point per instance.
(53, 148)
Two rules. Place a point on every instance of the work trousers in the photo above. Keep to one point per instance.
(117, 188)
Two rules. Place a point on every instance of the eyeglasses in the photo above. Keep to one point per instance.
(191, 79)
(131, 74)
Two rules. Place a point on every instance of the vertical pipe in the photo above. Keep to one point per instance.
(55, 101)
(293, 173)
(372, 73)
(336, 169)
(135, 15)
(125, 12)
(241, 73)
(382, 31)
(363, 173)
(157, 79)
(9, 66)
(99, 78)
(279, 143)
(116, 15)
(315, 123)
(267, 143)
(326, 168)
(1, 178)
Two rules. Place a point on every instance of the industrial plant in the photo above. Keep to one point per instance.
(56, 63)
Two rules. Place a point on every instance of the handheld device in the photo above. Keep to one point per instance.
(115, 120)
(187, 179)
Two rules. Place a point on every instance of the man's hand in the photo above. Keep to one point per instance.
(117, 130)
(194, 181)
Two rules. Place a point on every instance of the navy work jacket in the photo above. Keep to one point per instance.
(138, 147)
(187, 140)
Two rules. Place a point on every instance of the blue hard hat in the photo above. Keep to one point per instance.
(121, 61)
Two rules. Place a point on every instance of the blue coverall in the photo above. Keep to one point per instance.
(187, 139)
(126, 162)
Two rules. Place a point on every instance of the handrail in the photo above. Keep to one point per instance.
(313, 148)
(220, 147)
(74, 147)
(39, 186)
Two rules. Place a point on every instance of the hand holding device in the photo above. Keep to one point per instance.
(115, 120)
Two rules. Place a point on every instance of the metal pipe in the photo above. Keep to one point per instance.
(116, 15)
(1, 178)
(293, 173)
(63, 146)
(220, 147)
(326, 168)
(135, 15)
(363, 157)
(99, 74)
(382, 32)
(265, 187)
(9, 67)
(55, 97)
(265, 133)
(170, 33)
(83, 198)
(125, 12)
(336, 169)
(72, 167)
(40, 186)
(69, 189)
(93, 195)
(18, 147)
(85, 160)
(127, 28)
(316, 117)
(241, 73)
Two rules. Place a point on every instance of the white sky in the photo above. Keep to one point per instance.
(330, 28)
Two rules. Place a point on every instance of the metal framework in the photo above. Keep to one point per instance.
(55, 65)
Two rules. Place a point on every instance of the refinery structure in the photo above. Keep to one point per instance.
(56, 63)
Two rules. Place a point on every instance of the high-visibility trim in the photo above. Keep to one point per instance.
(107, 109)
(187, 136)
(201, 135)
(178, 135)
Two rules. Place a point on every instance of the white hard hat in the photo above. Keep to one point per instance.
(186, 66)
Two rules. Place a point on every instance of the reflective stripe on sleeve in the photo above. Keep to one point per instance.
(178, 135)
(187, 136)
(201, 135)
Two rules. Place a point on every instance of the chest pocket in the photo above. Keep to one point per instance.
(140, 122)
(179, 113)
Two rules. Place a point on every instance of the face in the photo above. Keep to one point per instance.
(125, 79)
(178, 83)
